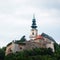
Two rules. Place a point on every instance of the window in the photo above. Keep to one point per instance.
(32, 33)
(20, 47)
(9, 50)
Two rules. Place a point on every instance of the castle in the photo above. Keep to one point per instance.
(36, 41)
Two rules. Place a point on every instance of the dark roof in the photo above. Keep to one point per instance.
(22, 43)
(34, 23)
(47, 36)
(9, 44)
(17, 42)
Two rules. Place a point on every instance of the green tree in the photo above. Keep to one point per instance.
(2, 54)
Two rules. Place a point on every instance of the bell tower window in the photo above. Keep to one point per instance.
(33, 33)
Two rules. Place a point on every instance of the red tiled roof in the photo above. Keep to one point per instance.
(39, 37)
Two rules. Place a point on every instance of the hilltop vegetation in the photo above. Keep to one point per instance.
(35, 54)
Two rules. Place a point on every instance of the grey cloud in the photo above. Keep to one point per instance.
(49, 4)
(16, 17)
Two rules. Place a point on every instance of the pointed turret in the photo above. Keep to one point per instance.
(34, 22)
(34, 31)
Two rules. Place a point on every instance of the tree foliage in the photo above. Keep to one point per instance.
(2, 53)
(34, 54)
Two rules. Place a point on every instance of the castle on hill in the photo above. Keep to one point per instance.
(35, 41)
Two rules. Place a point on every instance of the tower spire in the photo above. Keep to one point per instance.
(34, 31)
(34, 22)
(33, 16)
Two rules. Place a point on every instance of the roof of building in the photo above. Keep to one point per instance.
(17, 42)
(39, 37)
(34, 22)
(47, 36)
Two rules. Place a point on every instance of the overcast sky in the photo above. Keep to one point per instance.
(16, 18)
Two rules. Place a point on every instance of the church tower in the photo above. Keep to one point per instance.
(34, 30)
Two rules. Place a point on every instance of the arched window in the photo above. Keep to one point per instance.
(20, 47)
(32, 33)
